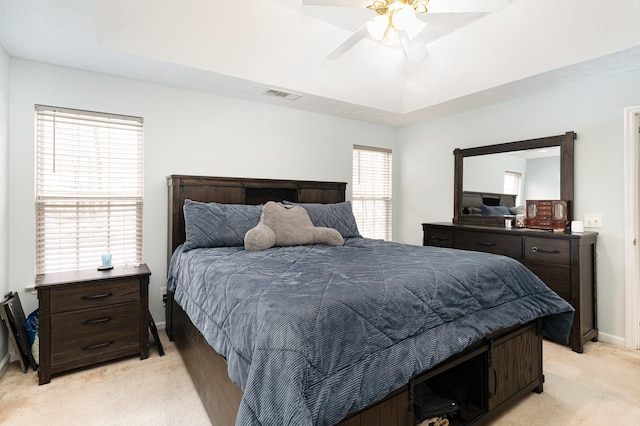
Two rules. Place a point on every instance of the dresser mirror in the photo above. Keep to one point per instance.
(544, 167)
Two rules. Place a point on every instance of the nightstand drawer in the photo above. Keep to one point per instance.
(100, 346)
(94, 295)
(94, 321)
(507, 245)
(547, 250)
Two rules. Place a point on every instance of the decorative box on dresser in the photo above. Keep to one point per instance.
(91, 316)
(564, 261)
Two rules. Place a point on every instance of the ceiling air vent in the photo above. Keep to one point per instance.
(281, 94)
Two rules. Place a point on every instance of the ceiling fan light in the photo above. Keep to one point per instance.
(396, 5)
(377, 26)
(391, 37)
(402, 18)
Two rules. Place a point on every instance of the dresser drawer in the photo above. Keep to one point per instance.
(99, 346)
(438, 237)
(94, 295)
(547, 250)
(556, 277)
(507, 245)
(89, 322)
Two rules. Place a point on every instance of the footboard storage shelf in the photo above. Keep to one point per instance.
(564, 261)
(488, 377)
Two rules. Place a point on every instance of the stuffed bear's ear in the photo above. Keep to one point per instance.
(259, 238)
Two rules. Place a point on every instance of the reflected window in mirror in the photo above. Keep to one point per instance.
(512, 182)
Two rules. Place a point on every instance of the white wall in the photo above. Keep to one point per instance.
(185, 132)
(4, 193)
(198, 133)
(594, 110)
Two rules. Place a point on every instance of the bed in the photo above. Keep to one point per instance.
(472, 202)
(396, 330)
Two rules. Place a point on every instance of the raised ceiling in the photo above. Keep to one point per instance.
(493, 51)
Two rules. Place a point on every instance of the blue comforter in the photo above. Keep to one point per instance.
(312, 333)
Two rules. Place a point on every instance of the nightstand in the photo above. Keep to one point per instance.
(90, 316)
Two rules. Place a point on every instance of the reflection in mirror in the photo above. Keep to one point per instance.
(532, 174)
(547, 178)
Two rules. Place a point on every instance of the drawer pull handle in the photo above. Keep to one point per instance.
(97, 296)
(439, 238)
(481, 243)
(537, 250)
(495, 383)
(98, 320)
(97, 346)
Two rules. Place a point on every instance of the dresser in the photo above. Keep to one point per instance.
(91, 316)
(564, 261)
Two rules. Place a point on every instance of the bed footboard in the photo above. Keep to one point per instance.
(503, 367)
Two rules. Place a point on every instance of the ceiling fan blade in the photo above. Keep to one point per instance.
(349, 42)
(339, 3)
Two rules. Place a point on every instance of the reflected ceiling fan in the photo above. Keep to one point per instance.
(397, 22)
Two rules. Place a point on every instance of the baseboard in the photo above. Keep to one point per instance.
(610, 338)
(161, 325)
(4, 364)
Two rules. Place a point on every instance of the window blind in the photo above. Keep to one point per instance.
(512, 184)
(89, 188)
(372, 191)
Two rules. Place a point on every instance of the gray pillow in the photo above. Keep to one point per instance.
(338, 216)
(218, 225)
(518, 210)
(495, 210)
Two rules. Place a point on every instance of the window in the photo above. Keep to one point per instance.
(512, 185)
(372, 191)
(89, 187)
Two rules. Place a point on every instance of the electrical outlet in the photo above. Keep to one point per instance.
(592, 220)
(163, 290)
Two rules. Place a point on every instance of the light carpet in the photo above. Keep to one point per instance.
(598, 387)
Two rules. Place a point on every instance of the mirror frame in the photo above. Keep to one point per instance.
(565, 142)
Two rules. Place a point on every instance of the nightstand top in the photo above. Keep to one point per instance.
(88, 275)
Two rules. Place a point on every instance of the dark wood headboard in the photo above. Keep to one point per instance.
(241, 191)
(476, 199)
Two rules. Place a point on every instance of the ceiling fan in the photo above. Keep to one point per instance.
(397, 22)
